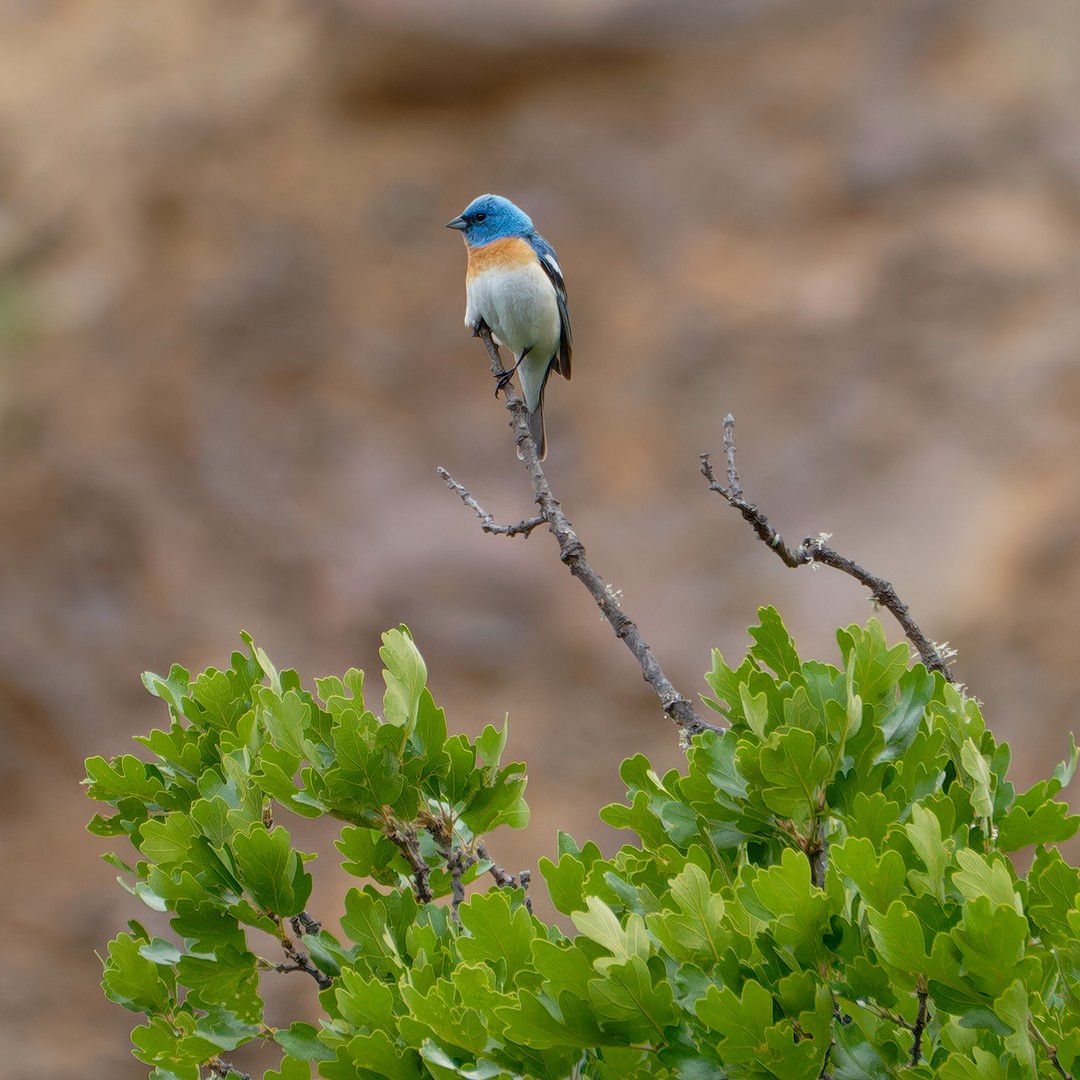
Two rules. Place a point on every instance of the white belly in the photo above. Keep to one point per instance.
(520, 307)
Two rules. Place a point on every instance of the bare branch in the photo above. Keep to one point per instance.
(525, 880)
(405, 840)
(487, 521)
(922, 1018)
(219, 1067)
(817, 851)
(299, 960)
(504, 879)
(457, 863)
(572, 552)
(457, 858)
(1051, 1051)
(305, 924)
(816, 550)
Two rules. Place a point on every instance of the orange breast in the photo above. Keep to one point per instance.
(508, 254)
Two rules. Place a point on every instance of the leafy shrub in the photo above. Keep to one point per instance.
(824, 892)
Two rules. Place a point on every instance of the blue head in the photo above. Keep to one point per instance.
(491, 217)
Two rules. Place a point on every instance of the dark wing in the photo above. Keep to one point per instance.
(550, 262)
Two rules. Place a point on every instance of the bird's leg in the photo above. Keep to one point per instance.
(506, 376)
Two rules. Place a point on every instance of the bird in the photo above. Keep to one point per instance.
(514, 285)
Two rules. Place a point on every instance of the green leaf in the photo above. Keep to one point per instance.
(879, 880)
(1065, 770)
(740, 1021)
(271, 870)
(172, 689)
(372, 1056)
(978, 770)
(368, 853)
(563, 965)
(877, 668)
(135, 981)
(919, 772)
(291, 1069)
(405, 677)
(288, 719)
(600, 924)
(365, 1003)
(924, 832)
(1012, 1007)
(228, 980)
(490, 744)
(982, 1065)
(111, 826)
(538, 1021)
(430, 733)
(773, 645)
(301, 1041)
(275, 771)
(871, 816)
(1053, 891)
(366, 773)
(900, 723)
(221, 699)
(992, 940)
(161, 952)
(207, 929)
(441, 1013)
(797, 912)
(172, 1046)
(979, 876)
(443, 1066)
(627, 1001)
(497, 800)
(656, 813)
(701, 946)
(695, 931)
(712, 758)
(181, 751)
(212, 818)
(168, 840)
(1034, 818)
(225, 1029)
(497, 932)
(366, 923)
(725, 683)
(898, 938)
(796, 769)
(854, 1057)
(349, 689)
(756, 710)
(124, 777)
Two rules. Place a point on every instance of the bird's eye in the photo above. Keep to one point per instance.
(481, 217)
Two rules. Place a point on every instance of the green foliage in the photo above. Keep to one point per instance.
(824, 891)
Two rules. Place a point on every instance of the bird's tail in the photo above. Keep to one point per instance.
(536, 429)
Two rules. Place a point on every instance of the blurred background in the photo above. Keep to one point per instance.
(231, 357)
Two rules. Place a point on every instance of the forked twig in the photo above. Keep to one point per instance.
(504, 879)
(404, 838)
(572, 552)
(487, 520)
(817, 550)
(299, 959)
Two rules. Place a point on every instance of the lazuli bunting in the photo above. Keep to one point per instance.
(514, 284)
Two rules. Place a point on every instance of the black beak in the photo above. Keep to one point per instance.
(458, 223)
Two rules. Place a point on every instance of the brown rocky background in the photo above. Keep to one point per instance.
(231, 356)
